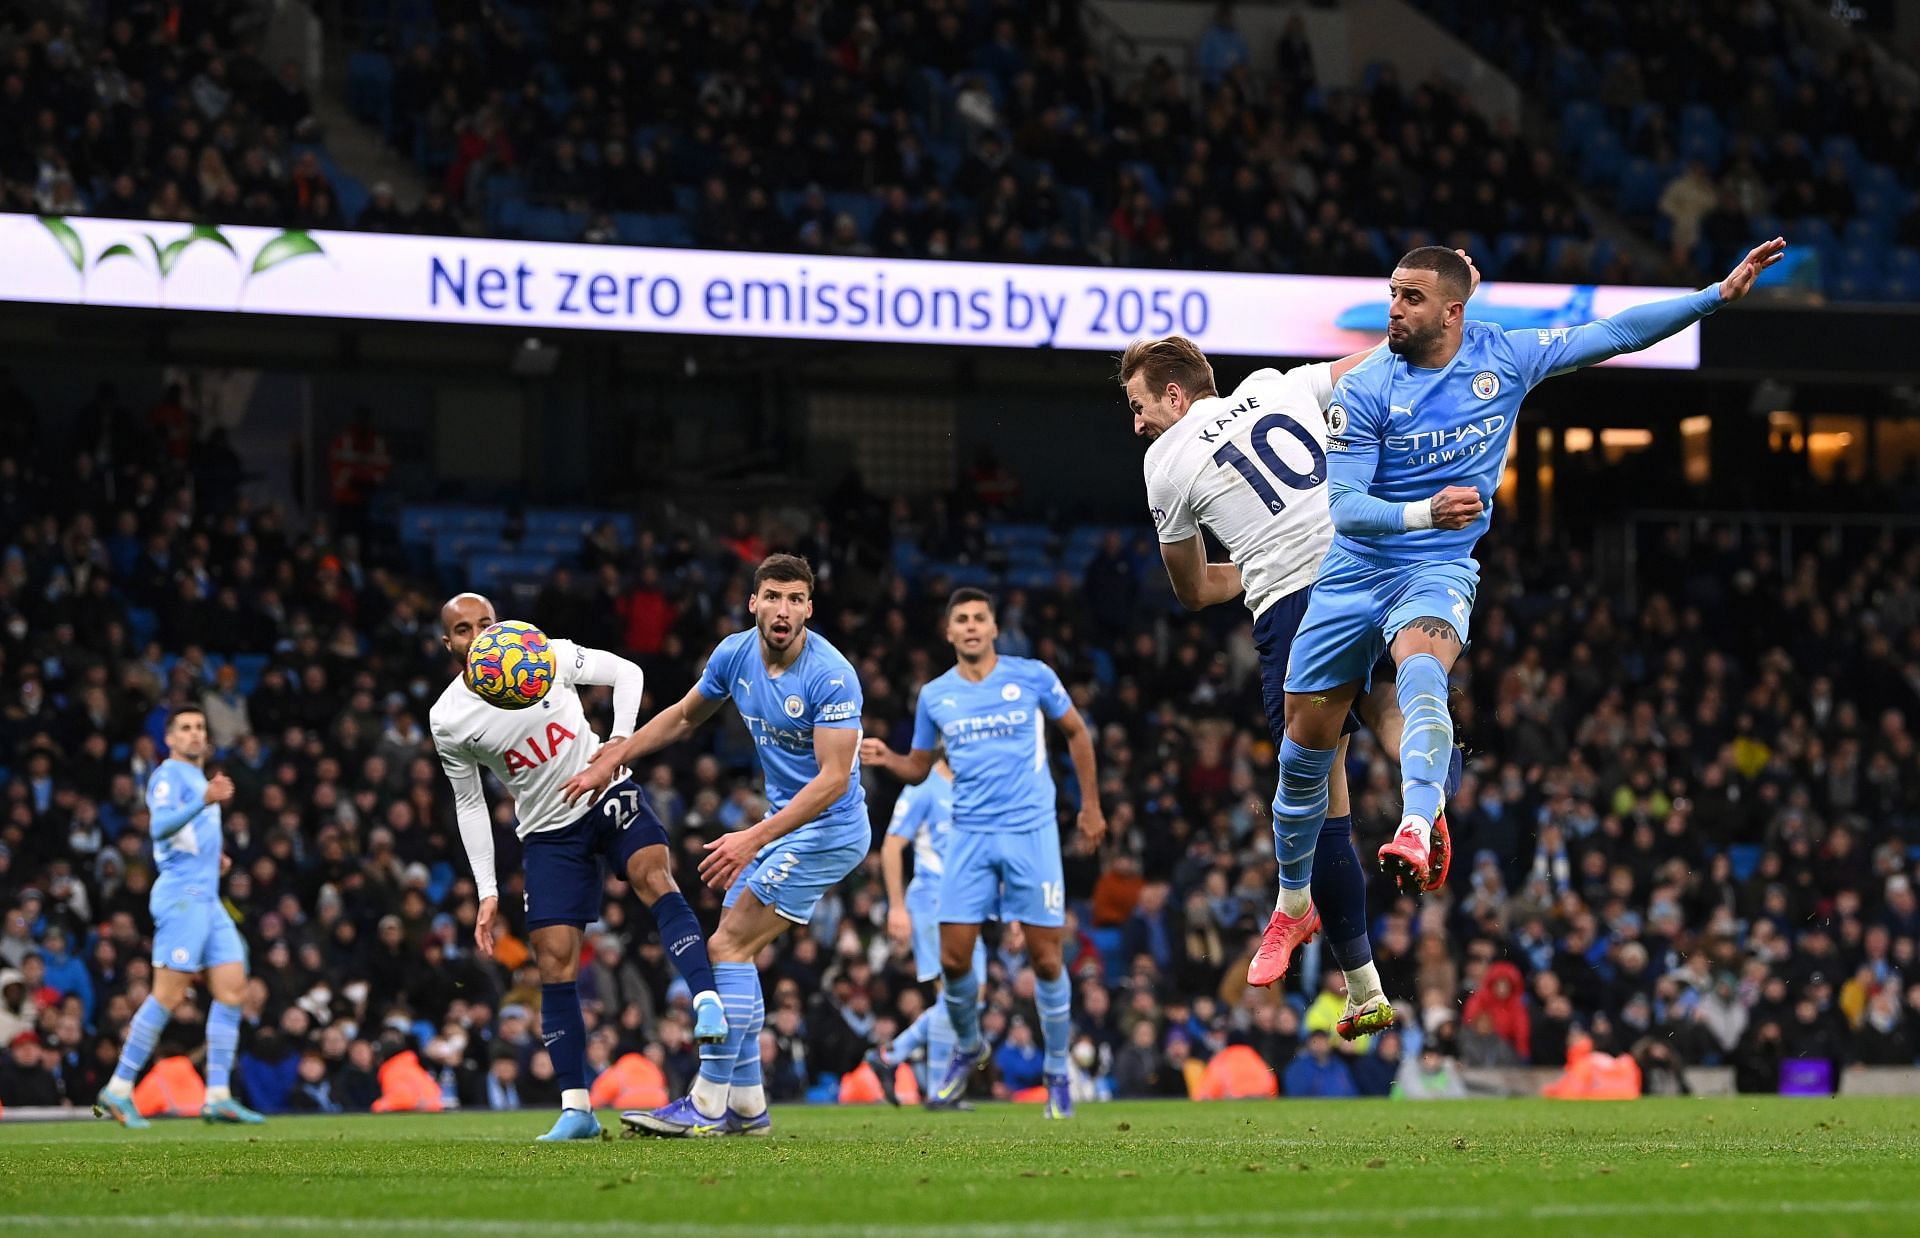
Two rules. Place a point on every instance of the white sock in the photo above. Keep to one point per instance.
(1363, 984)
(749, 1101)
(1420, 823)
(117, 1086)
(710, 1098)
(576, 1098)
(216, 1095)
(1294, 903)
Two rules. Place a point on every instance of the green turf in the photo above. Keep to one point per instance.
(1742, 1167)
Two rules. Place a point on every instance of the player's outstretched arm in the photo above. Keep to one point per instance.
(835, 750)
(1543, 354)
(911, 768)
(672, 725)
(1197, 583)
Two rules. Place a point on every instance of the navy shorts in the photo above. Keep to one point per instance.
(1273, 634)
(563, 866)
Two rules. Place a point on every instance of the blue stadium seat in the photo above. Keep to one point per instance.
(1745, 858)
(1641, 182)
(1579, 122)
(370, 88)
(549, 223)
(1111, 943)
(549, 522)
(1602, 157)
(1012, 533)
(251, 667)
(1704, 147)
(491, 571)
(508, 216)
(862, 206)
(142, 625)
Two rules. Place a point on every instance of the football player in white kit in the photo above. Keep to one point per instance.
(534, 752)
(1251, 468)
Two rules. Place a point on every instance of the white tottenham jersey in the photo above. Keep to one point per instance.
(1251, 468)
(532, 751)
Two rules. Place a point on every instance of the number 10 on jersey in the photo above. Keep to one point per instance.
(1285, 474)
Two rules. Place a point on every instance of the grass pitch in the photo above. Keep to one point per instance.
(1742, 1167)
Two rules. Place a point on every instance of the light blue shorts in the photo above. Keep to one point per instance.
(191, 934)
(1004, 874)
(923, 905)
(1358, 607)
(792, 874)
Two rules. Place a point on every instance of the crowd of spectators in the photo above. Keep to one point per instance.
(157, 112)
(1687, 830)
(1715, 121)
(952, 130)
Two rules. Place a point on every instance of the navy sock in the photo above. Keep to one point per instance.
(1340, 894)
(564, 1032)
(685, 943)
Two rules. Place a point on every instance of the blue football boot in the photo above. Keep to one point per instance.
(574, 1124)
(232, 1111)
(679, 1120)
(709, 1019)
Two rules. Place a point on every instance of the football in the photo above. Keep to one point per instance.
(510, 665)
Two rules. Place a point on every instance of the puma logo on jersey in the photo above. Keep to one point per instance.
(1399, 408)
(557, 736)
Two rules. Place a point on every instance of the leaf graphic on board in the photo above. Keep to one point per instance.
(170, 256)
(120, 249)
(69, 240)
(284, 248)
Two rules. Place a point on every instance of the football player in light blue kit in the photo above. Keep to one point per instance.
(991, 712)
(801, 701)
(192, 931)
(923, 820)
(1418, 438)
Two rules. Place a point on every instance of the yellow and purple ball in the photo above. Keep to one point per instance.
(511, 665)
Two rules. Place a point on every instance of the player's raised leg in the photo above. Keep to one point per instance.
(644, 857)
(1379, 708)
(1425, 647)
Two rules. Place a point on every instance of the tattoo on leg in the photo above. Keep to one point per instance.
(1438, 629)
(1319, 699)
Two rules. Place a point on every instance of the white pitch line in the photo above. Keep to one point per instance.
(1150, 1224)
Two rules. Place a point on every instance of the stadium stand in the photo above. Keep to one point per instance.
(161, 112)
(1698, 844)
(1711, 121)
(944, 131)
